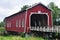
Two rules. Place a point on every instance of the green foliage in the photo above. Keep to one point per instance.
(17, 37)
(11, 37)
(55, 12)
(24, 7)
(22, 34)
(2, 29)
(1, 24)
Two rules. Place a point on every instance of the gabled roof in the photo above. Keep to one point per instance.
(15, 14)
(39, 4)
(28, 9)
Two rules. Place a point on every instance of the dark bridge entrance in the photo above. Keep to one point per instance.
(38, 20)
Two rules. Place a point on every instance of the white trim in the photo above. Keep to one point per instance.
(25, 21)
(30, 15)
(38, 13)
(10, 24)
(52, 18)
(19, 23)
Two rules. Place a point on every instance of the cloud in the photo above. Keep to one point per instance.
(9, 7)
(45, 2)
(5, 4)
(57, 3)
(7, 12)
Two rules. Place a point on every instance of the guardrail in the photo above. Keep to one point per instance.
(46, 29)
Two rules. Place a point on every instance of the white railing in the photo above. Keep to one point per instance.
(46, 29)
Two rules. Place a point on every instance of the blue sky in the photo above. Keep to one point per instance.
(9, 7)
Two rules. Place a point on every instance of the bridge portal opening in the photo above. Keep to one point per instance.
(38, 20)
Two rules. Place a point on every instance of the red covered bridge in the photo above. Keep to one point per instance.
(34, 18)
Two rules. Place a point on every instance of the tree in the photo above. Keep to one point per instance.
(1, 24)
(55, 12)
(24, 7)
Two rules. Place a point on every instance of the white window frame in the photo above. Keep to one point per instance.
(23, 22)
(17, 24)
(8, 24)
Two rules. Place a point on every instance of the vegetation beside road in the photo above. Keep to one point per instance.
(19, 38)
(16, 37)
(2, 29)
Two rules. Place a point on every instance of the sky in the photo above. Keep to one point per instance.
(9, 7)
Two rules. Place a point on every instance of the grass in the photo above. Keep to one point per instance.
(2, 29)
(18, 37)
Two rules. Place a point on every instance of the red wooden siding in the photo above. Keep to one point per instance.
(26, 16)
(36, 9)
(13, 23)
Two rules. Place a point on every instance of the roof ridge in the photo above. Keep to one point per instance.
(37, 4)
